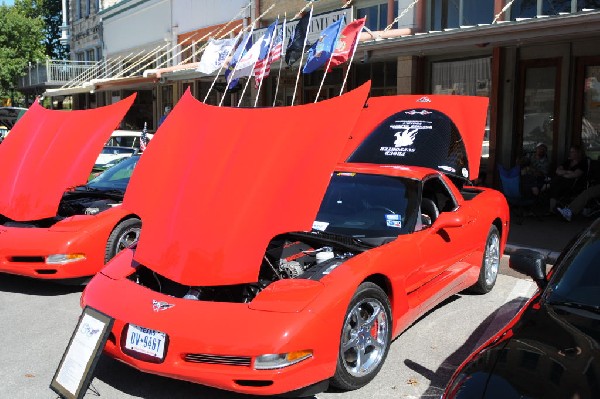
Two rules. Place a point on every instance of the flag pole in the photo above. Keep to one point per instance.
(350, 62)
(280, 58)
(302, 55)
(264, 66)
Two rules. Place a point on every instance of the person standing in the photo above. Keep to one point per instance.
(164, 116)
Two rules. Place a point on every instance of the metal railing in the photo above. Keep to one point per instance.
(53, 72)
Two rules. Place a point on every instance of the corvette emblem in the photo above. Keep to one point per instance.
(414, 112)
(157, 306)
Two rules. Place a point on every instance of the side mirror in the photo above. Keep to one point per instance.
(531, 263)
(448, 219)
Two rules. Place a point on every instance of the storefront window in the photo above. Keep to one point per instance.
(529, 8)
(382, 75)
(377, 15)
(523, 9)
(590, 124)
(553, 7)
(471, 77)
(581, 4)
(539, 98)
(456, 13)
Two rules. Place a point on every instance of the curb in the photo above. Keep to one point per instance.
(551, 256)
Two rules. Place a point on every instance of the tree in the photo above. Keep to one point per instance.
(50, 11)
(21, 39)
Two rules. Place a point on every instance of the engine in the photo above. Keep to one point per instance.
(85, 205)
(289, 256)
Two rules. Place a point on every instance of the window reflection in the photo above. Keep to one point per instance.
(590, 124)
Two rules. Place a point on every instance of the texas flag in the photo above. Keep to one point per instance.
(346, 43)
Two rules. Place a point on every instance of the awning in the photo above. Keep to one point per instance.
(135, 82)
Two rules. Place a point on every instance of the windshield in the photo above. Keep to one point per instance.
(579, 283)
(369, 206)
(117, 177)
(118, 150)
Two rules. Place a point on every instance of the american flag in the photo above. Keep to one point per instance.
(263, 67)
(144, 138)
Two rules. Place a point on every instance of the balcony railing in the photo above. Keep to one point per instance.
(54, 72)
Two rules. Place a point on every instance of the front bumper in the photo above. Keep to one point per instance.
(23, 252)
(212, 330)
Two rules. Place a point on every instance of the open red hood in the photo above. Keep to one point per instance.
(49, 151)
(219, 183)
(441, 132)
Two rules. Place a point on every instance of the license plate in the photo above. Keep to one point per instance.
(145, 341)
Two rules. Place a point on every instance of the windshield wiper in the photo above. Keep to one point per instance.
(576, 305)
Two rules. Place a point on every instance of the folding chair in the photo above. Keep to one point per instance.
(510, 180)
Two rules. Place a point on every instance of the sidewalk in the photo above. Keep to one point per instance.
(546, 234)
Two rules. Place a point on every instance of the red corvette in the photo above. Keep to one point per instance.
(267, 268)
(52, 225)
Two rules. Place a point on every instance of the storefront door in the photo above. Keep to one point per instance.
(537, 113)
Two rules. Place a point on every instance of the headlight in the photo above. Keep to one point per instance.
(277, 361)
(61, 259)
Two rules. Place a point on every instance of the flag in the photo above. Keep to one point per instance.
(245, 66)
(274, 55)
(321, 50)
(215, 54)
(144, 138)
(243, 46)
(295, 46)
(265, 51)
(346, 43)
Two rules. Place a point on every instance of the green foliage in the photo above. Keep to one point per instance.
(50, 11)
(21, 42)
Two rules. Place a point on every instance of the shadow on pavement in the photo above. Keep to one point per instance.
(31, 286)
(440, 377)
(133, 382)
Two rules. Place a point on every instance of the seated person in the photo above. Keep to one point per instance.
(535, 170)
(570, 178)
(578, 203)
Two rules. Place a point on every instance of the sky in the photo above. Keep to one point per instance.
(7, 2)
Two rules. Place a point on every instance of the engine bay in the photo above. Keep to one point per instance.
(76, 202)
(288, 256)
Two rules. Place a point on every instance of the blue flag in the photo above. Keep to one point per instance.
(321, 50)
(241, 49)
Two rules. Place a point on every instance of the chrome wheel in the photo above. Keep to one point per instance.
(125, 234)
(490, 264)
(365, 337)
(491, 261)
(128, 237)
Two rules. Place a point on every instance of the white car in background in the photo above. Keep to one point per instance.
(122, 144)
(126, 138)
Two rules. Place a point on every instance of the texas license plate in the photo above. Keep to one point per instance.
(146, 341)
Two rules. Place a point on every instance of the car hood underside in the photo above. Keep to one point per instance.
(218, 183)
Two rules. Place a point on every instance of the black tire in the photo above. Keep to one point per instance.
(490, 263)
(365, 338)
(126, 233)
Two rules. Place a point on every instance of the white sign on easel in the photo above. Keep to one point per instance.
(76, 368)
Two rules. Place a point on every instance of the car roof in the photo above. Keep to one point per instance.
(126, 133)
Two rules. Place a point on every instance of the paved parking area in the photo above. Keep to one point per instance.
(38, 319)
